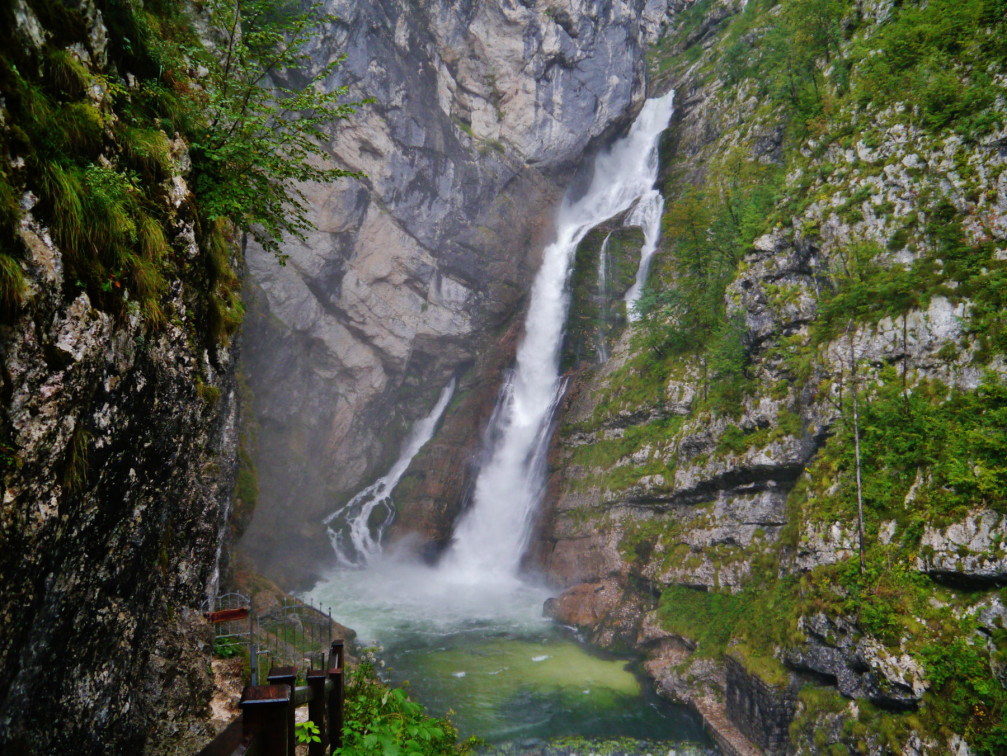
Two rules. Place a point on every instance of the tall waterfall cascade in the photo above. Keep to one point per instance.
(469, 632)
(491, 537)
(355, 529)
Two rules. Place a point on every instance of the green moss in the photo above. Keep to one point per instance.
(950, 440)
(148, 150)
(67, 74)
(75, 459)
(96, 154)
(597, 315)
(246, 484)
(764, 666)
(209, 394)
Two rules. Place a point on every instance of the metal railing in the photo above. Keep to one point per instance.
(293, 633)
(266, 724)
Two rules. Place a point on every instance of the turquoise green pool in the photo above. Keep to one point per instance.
(486, 655)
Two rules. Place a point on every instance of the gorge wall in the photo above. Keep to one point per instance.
(835, 229)
(117, 399)
(482, 111)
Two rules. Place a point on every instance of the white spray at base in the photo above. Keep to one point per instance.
(356, 538)
(491, 538)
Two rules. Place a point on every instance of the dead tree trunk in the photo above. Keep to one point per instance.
(856, 446)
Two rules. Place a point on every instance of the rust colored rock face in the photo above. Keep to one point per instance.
(433, 493)
(585, 604)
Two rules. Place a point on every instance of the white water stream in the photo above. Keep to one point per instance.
(602, 335)
(491, 538)
(355, 529)
(646, 215)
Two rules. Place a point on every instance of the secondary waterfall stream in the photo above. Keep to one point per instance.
(355, 529)
(469, 633)
(602, 341)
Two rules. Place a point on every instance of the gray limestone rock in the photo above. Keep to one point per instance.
(113, 506)
(973, 551)
(860, 666)
(482, 111)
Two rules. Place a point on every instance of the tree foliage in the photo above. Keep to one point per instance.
(706, 231)
(234, 78)
(95, 143)
(266, 115)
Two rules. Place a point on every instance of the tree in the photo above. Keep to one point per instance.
(265, 118)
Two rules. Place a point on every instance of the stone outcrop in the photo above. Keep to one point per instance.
(973, 551)
(761, 711)
(860, 666)
(482, 111)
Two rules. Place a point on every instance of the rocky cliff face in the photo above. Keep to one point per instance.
(117, 415)
(481, 112)
(705, 495)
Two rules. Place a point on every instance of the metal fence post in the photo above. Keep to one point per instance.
(286, 676)
(336, 697)
(264, 715)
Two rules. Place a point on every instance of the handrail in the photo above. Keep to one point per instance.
(303, 695)
(265, 726)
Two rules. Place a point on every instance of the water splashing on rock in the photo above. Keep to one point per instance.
(491, 537)
(355, 529)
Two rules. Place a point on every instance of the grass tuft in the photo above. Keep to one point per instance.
(62, 190)
(75, 462)
(148, 150)
(12, 285)
(68, 73)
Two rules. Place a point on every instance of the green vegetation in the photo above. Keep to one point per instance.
(857, 728)
(603, 454)
(75, 462)
(948, 446)
(256, 140)
(598, 316)
(227, 648)
(307, 732)
(880, 185)
(379, 720)
(246, 483)
(93, 145)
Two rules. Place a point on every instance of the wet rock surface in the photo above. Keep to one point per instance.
(118, 455)
(762, 712)
(482, 112)
(112, 514)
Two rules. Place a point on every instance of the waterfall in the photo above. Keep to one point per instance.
(491, 537)
(646, 215)
(602, 334)
(355, 529)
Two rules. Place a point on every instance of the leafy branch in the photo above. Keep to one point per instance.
(261, 138)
